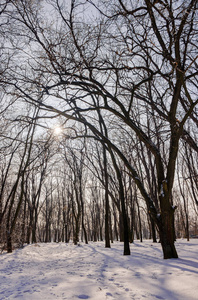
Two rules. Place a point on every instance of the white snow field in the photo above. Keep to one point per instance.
(64, 271)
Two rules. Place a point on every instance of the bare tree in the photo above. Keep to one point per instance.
(136, 57)
(13, 212)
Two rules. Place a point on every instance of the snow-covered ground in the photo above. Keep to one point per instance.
(64, 271)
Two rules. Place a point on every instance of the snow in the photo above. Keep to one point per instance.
(64, 271)
(162, 191)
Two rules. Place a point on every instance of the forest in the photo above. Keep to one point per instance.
(99, 122)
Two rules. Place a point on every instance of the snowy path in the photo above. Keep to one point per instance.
(60, 271)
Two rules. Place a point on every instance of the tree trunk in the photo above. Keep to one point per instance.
(153, 231)
(123, 206)
(139, 219)
(107, 239)
(115, 225)
(85, 232)
(77, 230)
(167, 235)
(121, 228)
(66, 235)
(34, 226)
(107, 210)
(23, 224)
(9, 242)
(82, 209)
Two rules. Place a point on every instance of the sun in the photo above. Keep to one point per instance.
(57, 130)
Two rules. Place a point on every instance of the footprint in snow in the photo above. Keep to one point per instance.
(83, 297)
(158, 297)
(109, 294)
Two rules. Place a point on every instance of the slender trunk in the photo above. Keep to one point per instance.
(85, 232)
(140, 223)
(66, 234)
(107, 210)
(77, 229)
(121, 227)
(34, 226)
(107, 239)
(115, 224)
(123, 206)
(132, 212)
(82, 209)
(187, 228)
(153, 231)
(110, 228)
(1, 217)
(9, 242)
(24, 222)
(77, 215)
(101, 234)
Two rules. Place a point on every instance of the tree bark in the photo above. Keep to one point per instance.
(107, 210)
(167, 235)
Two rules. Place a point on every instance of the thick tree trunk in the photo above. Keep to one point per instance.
(166, 222)
(167, 235)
